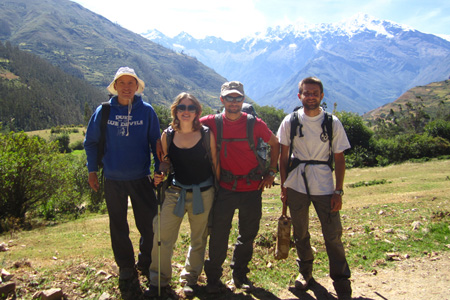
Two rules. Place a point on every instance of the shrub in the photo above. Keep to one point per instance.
(36, 180)
(439, 128)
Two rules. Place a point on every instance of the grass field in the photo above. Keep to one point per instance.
(76, 133)
(388, 213)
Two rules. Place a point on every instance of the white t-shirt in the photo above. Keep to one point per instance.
(311, 147)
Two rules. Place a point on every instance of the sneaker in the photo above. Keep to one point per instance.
(303, 284)
(243, 283)
(189, 290)
(215, 287)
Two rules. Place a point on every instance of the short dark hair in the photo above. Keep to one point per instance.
(310, 80)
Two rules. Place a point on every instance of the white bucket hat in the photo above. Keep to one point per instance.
(125, 71)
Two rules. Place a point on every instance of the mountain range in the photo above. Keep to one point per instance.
(90, 47)
(363, 62)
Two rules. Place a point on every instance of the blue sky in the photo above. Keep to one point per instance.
(235, 19)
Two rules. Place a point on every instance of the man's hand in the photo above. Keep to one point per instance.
(93, 181)
(336, 202)
(267, 182)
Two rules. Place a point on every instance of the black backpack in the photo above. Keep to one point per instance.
(327, 129)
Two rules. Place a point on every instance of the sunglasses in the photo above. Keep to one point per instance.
(183, 107)
(234, 99)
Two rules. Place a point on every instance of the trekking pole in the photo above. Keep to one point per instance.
(158, 191)
(163, 167)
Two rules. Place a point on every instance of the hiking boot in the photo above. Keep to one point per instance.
(152, 292)
(343, 289)
(127, 273)
(243, 283)
(189, 290)
(215, 287)
(143, 270)
(130, 288)
(303, 284)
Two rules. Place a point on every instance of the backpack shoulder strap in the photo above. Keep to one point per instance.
(206, 140)
(219, 128)
(106, 108)
(295, 123)
(327, 125)
(169, 136)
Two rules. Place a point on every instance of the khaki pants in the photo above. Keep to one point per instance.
(170, 226)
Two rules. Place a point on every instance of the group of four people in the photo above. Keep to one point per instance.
(215, 172)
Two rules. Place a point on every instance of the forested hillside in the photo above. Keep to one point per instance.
(34, 94)
(91, 47)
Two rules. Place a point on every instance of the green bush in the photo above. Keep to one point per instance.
(36, 180)
(78, 145)
(410, 146)
(63, 142)
(439, 128)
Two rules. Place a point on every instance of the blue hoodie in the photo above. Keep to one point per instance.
(132, 131)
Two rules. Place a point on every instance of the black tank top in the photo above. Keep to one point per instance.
(191, 166)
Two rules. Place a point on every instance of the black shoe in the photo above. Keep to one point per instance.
(215, 287)
(343, 289)
(127, 273)
(243, 283)
(190, 290)
(143, 270)
(152, 292)
(302, 283)
(130, 289)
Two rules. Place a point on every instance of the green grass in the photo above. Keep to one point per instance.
(378, 219)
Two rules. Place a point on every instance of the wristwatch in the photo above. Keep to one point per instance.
(272, 172)
(339, 192)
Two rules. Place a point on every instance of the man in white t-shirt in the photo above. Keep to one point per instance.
(307, 177)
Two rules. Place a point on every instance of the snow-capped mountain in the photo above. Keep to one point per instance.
(363, 62)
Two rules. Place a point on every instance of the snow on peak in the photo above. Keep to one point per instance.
(362, 22)
(356, 24)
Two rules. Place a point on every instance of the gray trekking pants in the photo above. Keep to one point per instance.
(298, 204)
(249, 205)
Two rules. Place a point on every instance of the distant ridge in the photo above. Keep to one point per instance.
(364, 62)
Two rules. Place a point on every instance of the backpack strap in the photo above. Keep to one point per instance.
(106, 108)
(327, 129)
(254, 174)
(327, 126)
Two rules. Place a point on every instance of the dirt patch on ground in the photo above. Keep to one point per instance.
(415, 278)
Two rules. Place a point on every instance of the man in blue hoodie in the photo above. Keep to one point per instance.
(132, 132)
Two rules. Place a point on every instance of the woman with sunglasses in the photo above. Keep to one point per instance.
(192, 192)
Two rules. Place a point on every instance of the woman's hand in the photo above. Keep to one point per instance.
(158, 178)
